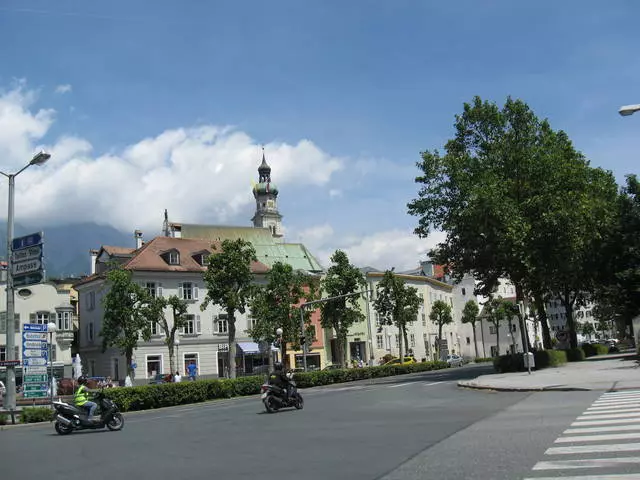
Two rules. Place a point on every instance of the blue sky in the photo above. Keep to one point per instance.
(371, 83)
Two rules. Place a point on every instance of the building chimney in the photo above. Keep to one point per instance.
(94, 257)
(138, 236)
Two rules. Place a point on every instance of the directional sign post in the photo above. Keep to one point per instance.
(27, 265)
(35, 353)
(27, 241)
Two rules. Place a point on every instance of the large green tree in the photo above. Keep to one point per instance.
(342, 280)
(277, 305)
(470, 315)
(497, 311)
(441, 316)
(128, 308)
(397, 304)
(230, 284)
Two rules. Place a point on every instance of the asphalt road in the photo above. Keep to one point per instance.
(412, 427)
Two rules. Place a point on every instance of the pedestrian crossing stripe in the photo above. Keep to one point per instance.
(607, 433)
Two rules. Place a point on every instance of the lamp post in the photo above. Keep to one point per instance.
(10, 399)
(51, 329)
(279, 333)
(627, 110)
(179, 366)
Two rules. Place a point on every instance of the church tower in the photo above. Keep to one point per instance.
(266, 195)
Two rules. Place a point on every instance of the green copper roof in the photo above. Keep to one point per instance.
(268, 250)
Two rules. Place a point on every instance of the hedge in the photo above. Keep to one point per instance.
(36, 414)
(542, 358)
(575, 354)
(483, 359)
(593, 349)
(4, 417)
(171, 394)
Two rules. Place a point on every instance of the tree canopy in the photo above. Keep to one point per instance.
(441, 316)
(470, 315)
(230, 284)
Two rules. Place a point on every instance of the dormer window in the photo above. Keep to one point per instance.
(201, 257)
(172, 257)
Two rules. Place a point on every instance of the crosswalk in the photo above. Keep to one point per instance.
(602, 443)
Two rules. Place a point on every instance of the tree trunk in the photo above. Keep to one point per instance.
(172, 358)
(406, 339)
(524, 334)
(129, 359)
(497, 325)
(232, 344)
(285, 358)
(270, 354)
(544, 322)
(475, 339)
(568, 308)
(341, 340)
(401, 344)
(439, 344)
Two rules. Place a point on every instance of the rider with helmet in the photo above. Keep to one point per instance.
(81, 397)
(279, 378)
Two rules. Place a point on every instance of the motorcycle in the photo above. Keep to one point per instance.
(69, 417)
(273, 396)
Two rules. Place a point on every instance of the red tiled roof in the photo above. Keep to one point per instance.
(149, 257)
(118, 250)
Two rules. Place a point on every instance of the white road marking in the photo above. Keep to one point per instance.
(608, 407)
(432, 383)
(589, 463)
(605, 448)
(609, 415)
(598, 438)
(625, 421)
(626, 476)
(400, 385)
(610, 410)
(606, 428)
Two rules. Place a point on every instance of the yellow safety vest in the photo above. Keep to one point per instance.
(81, 397)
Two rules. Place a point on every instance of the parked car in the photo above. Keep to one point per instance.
(454, 360)
(396, 361)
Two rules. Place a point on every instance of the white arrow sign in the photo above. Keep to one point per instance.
(35, 370)
(27, 254)
(34, 336)
(28, 266)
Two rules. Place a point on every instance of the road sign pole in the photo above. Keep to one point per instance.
(11, 329)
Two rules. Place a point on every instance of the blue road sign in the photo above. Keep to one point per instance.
(34, 344)
(28, 279)
(27, 241)
(34, 327)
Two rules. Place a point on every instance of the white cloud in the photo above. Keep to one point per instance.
(392, 248)
(334, 192)
(63, 88)
(199, 174)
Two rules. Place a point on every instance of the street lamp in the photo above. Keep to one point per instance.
(627, 110)
(10, 399)
(176, 343)
(51, 328)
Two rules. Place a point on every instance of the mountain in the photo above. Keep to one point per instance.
(66, 247)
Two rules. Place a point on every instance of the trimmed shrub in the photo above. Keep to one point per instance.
(483, 359)
(575, 355)
(593, 349)
(509, 363)
(36, 414)
(147, 397)
(4, 418)
(550, 358)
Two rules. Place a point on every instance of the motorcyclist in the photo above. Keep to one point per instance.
(81, 397)
(279, 378)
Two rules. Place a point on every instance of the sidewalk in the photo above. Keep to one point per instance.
(605, 373)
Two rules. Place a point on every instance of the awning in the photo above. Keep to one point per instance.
(252, 348)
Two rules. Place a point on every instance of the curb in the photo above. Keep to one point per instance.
(528, 389)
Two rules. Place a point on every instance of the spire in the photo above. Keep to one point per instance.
(264, 170)
(165, 224)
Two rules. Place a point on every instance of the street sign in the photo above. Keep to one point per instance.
(27, 241)
(34, 362)
(9, 363)
(35, 370)
(34, 327)
(35, 344)
(36, 394)
(28, 253)
(35, 353)
(27, 266)
(34, 387)
(28, 279)
(34, 336)
(35, 378)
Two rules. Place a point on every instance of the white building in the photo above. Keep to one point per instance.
(41, 303)
(557, 317)
(165, 266)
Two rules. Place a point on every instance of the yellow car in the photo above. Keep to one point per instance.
(396, 361)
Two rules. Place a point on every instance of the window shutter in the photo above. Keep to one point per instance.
(3, 324)
(195, 292)
(32, 318)
(198, 325)
(215, 324)
(16, 352)
(159, 290)
(180, 291)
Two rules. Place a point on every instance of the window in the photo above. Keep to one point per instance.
(154, 365)
(494, 351)
(41, 318)
(468, 341)
(90, 300)
(189, 358)
(156, 329)
(64, 321)
(424, 320)
(201, 258)
(412, 340)
(397, 341)
(492, 330)
(464, 291)
(90, 331)
(251, 323)
(187, 291)
(220, 324)
(174, 258)
(192, 325)
(377, 316)
(3, 323)
(3, 353)
(151, 289)
(513, 327)
(379, 341)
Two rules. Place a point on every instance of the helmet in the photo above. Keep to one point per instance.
(82, 380)
(278, 366)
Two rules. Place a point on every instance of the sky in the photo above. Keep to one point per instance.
(160, 104)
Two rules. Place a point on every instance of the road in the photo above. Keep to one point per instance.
(411, 427)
